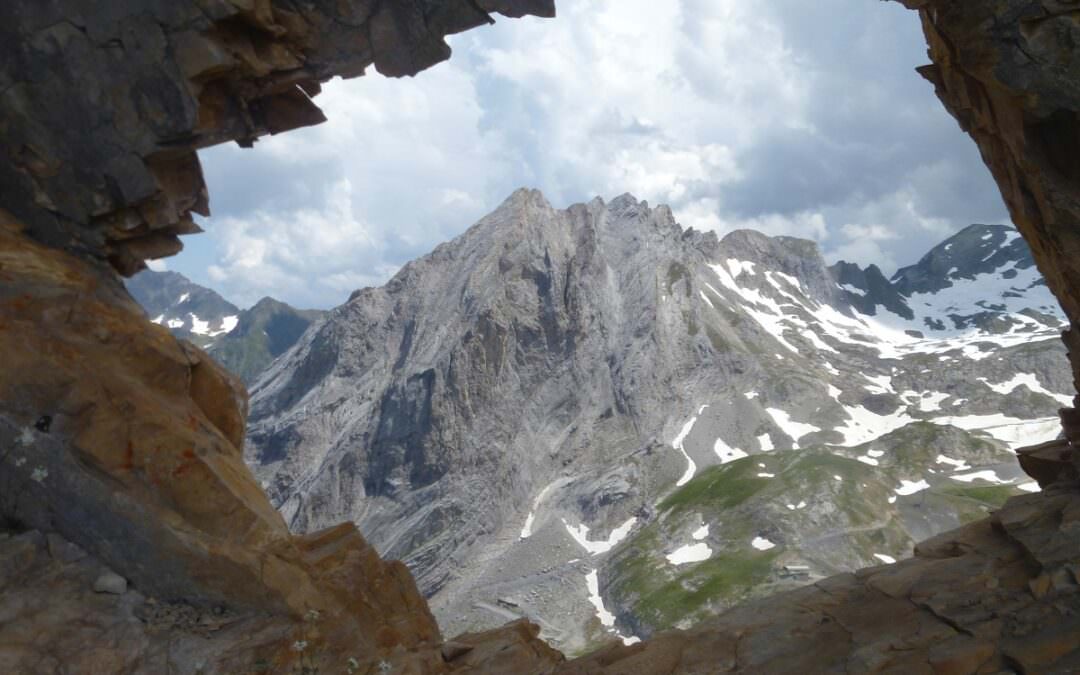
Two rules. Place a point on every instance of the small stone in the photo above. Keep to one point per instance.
(452, 650)
(110, 582)
(1039, 585)
(63, 550)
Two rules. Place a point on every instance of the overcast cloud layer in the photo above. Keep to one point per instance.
(790, 117)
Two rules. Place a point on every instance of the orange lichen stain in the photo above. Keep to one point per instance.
(129, 457)
(189, 462)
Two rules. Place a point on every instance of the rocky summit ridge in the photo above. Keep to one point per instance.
(103, 108)
(538, 415)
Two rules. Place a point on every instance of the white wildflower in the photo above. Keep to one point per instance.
(385, 667)
(312, 615)
(19, 461)
(26, 437)
(352, 665)
(299, 645)
(39, 474)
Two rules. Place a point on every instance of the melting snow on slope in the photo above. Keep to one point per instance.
(691, 467)
(227, 324)
(691, 553)
(887, 559)
(1030, 381)
(526, 531)
(701, 532)
(581, 536)
(879, 384)
(726, 453)
(607, 619)
(762, 544)
(1014, 432)
(183, 298)
(909, 488)
(763, 309)
(988, 476)
(198, 326)
(790, 427)
(958, 464)
(765, 441)
(863, 425)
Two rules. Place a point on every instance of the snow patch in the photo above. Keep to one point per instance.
(581, 536)
(1029, 380)
(526, 531)
(762, 544)
(198, 326)
(677, 443)
(887, 559)
(790, 427)
(592, 582)
(959, 464)
(987, 475)
(691, 553)
(1013, 431)
(726, 453)
(909, 487)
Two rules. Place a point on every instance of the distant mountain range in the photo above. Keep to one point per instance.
(244, 341)
(612, 425)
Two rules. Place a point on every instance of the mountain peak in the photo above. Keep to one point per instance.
(977, 249)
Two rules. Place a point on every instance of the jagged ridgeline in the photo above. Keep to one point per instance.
(607, 423)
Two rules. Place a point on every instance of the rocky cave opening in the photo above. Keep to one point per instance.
(140, 469)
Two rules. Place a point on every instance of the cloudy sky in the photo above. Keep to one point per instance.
(786, 116)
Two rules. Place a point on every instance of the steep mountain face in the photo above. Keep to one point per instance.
(262, 333)
(188, 310)
(529, 416)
